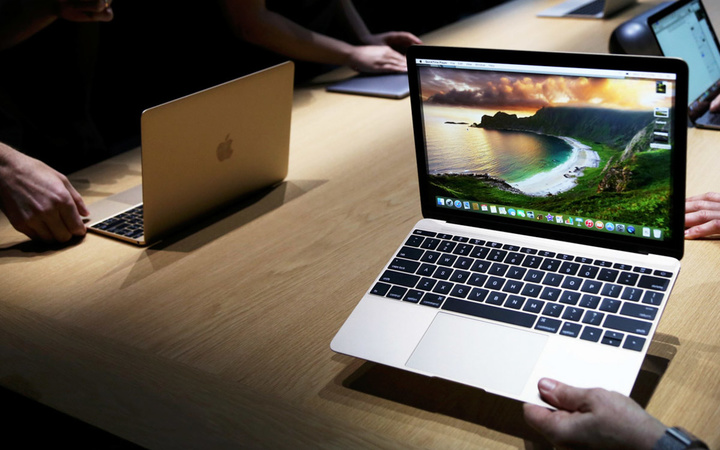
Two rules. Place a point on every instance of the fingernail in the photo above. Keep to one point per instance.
(547, 384)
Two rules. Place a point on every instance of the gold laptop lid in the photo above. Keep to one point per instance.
(207, 149)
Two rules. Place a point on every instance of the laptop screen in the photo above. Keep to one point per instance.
(684, 31)
(557, 148)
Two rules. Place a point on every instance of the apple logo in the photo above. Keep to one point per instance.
(224, 149)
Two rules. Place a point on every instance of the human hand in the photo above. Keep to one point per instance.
(37, 200)
(398, 40)
(376, 59)
(85, 10)
(702, 215)
(715, 104)
(591, 418)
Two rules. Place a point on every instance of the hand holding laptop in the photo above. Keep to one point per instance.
(592, 418)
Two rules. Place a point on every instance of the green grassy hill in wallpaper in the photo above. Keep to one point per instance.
(630, 185)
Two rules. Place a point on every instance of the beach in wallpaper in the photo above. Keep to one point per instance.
(588, 147)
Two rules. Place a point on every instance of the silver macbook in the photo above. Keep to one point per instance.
(589, 9)
(385, 85)
(552, 188)
(202, 152)
(683, 30)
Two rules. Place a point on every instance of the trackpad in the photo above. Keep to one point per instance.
(493, 357)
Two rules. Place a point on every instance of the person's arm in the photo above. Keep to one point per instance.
(20, 19)
(254, 23)
(702, 215)
(37, 200)
(592, 418)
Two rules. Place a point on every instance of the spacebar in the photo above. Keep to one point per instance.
(489, 312)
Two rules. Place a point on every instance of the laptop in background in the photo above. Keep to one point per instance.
(386, 86)
(589, 9)
(202, 152)
(683, 30)
(552, 188)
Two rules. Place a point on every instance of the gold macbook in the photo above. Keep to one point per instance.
(201, 152)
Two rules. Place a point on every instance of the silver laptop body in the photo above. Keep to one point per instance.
(540, 254)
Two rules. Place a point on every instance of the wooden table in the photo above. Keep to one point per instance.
(219, 337)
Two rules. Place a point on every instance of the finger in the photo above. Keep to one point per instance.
(77, 199)
(394, 55)
(394, 62)
(555, 426)
(536, 416)
(395, 66)
(698, 205)
(562, 396)
(39, 230)
(72, 221)
(700, 217)
(708, 196)
(706, 229)
(715, 104)
(401, 41)
(412, 39)
(407, 39)
(57, 227)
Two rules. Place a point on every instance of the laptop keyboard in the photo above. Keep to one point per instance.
(590, 9)
(128, 223)
(600, 301)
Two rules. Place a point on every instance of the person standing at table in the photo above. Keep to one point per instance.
(325, 32)
(46, 53)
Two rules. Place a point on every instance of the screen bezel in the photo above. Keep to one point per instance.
(672, 246)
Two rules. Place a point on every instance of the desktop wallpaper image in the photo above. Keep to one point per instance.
(579, 146)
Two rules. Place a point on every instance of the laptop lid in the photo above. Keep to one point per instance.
(586, 149)
(683, 30)
(202, 151)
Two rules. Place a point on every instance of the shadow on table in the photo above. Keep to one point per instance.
(182, 242)
(235, 216)
(28, 249)
(189, 237)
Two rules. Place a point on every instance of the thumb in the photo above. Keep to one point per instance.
(561, 395)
